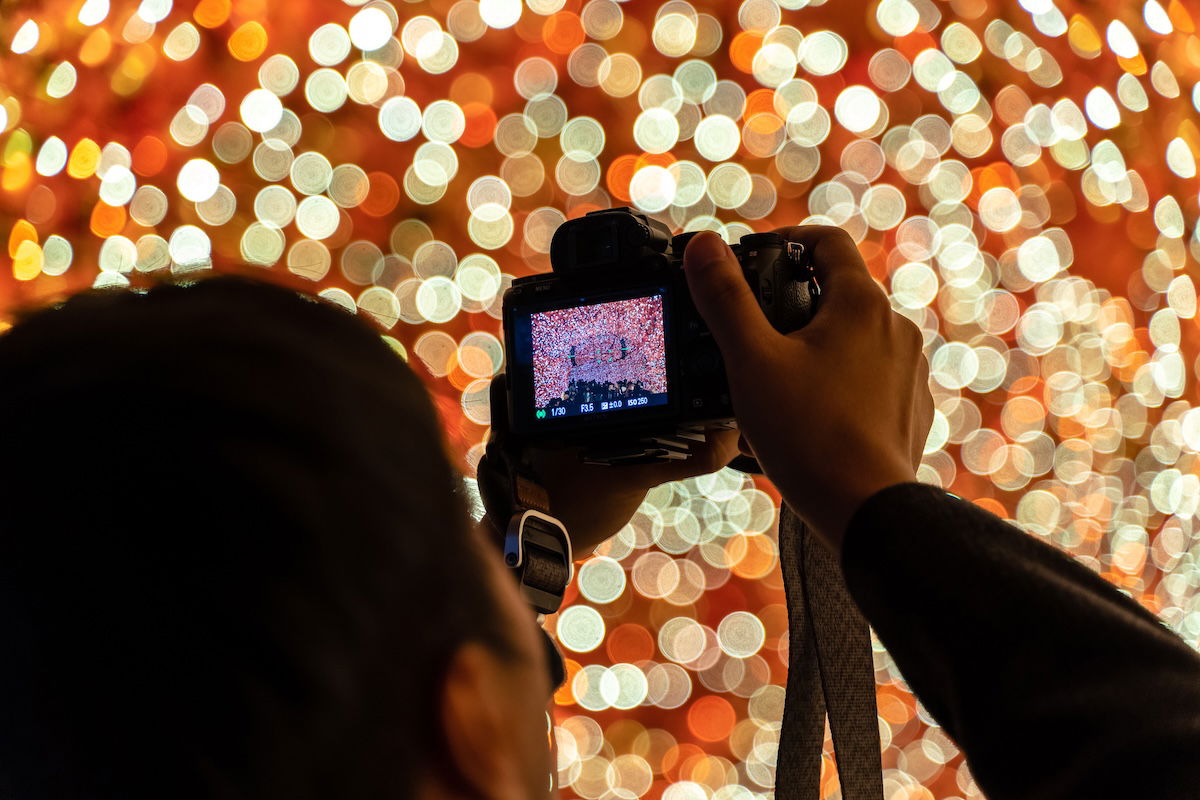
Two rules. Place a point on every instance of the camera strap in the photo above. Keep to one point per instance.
(831, 672)
(536, 545)
(831, 666)
(537, 548)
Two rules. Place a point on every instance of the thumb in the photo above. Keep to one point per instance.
(723, 297)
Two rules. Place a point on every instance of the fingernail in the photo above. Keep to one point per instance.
(706, 248)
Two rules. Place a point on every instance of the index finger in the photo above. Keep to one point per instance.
(498, 404)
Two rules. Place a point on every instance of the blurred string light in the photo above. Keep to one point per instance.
(1020, 177)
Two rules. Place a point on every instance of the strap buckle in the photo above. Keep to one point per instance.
(538, 550)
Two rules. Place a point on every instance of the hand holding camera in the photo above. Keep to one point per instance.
(833, 412)
(594, 501)
(610, 353)
(637, 351)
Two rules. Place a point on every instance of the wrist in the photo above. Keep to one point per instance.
(837, 507)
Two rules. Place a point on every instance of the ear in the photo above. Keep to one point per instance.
(477, 725)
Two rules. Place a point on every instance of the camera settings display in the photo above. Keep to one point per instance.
(597, 357)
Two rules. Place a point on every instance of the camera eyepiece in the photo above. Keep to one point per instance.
(606, 240)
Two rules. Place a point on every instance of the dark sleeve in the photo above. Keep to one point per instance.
(1053, 682)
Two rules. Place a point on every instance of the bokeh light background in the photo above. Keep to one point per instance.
(1020, 177)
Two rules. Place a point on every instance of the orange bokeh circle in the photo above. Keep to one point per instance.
(711, 718)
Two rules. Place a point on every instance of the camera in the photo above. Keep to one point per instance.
(608, 352)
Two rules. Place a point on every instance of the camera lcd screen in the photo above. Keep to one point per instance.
(599, 357)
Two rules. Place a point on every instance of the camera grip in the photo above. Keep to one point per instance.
(796, 307)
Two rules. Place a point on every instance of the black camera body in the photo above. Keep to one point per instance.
(608, 352)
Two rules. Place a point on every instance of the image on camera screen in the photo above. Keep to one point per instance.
(599, 357)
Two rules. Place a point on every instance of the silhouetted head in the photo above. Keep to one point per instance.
(235, 562)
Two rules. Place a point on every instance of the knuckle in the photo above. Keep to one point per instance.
(839, 236)
(872, 296)
(909, 329)
(835, 244)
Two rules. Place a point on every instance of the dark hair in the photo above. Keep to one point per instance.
(232, 559)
